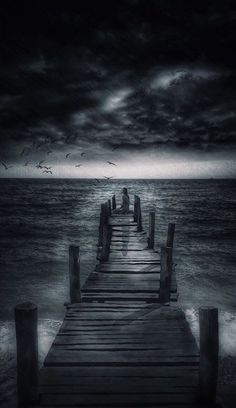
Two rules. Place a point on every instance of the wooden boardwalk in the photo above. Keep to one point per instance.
(119, 347)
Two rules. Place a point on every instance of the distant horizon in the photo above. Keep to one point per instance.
(114, 179)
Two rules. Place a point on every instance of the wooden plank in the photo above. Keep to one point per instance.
(118, 398)
(115, 387)
(119, 372)
(133, 260)
(90, 297)
(129, 267)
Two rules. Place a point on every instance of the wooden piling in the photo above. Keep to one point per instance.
(102, 221)
(165, 275)
(113, 202)
(74, 274)
(209, 350)
(106, 235)
(26, 321)
(139, 218)
(170, 235)
(151, 237)
(109, 207)
(136, 208)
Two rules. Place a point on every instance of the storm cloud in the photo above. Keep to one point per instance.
(118, 77)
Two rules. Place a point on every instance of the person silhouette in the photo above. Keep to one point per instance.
(124, 209)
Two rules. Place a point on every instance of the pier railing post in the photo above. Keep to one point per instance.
(136, 208)
(106, 236)
(151, 236)
(139, 215)
(209, 349)
(109, 207)
(165, 275)
(100, 233)
(26, 322)
(113, 202)
(74, 274)
(170, 235)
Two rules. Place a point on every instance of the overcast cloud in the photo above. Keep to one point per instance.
(116, 79)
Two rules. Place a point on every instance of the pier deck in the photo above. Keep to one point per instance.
(120, 347)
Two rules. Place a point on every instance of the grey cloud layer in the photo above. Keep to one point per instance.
(134, 82)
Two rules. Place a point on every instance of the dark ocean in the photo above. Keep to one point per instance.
(39, 219)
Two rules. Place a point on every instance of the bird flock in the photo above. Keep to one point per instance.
(41, 165)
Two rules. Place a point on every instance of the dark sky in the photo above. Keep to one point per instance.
(127, 81)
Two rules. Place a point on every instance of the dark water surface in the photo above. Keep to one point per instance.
(39, 219)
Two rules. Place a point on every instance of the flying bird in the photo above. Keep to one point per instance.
(49, 152)
(115, 147)
(47, 171)
(82, 154)
(5, 166)
(78, 165)
(98, 181)
(108, 178)
(26, 163)
(46, 167)
(113, 164)
(67, 155)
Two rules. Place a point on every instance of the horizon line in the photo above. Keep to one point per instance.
(114, 179)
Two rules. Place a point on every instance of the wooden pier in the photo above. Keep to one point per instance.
(124, 341)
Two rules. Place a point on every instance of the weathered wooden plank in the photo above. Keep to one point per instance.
(118, 398)
(124, 344)
(90, 297)
(133, 260)
(60, 350)
(119, 372)
(129, 267)
(117, 383)
(99, 387)
(131, 357)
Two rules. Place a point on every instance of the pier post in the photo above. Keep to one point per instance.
(209, 349)
(102, 220)
(136, 208)
(109, 207)
(165, 275)
(26, 322)
(74, 274)
(106, 235)
(151, 237)
(170, 235)
(103, 216)
(113, 202)
(139, 215)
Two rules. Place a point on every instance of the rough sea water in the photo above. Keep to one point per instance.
(39, 219)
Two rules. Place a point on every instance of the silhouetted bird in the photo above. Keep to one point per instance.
(109, 162)
(26, 163)
(67, 155)
(46, 167)
(115, 147)
(78, 165)
(108, 178)
(47, 171)
(98, 181)
(5, 166)
(82, 154)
